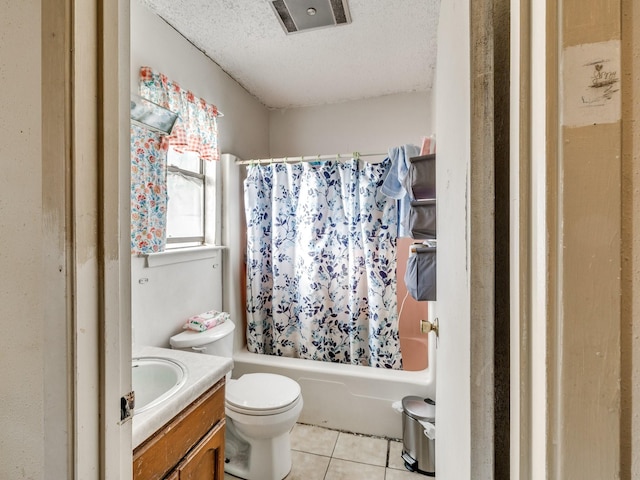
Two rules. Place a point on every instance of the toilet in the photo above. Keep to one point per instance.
(261, 410)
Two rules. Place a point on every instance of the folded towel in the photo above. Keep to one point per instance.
(205, 321)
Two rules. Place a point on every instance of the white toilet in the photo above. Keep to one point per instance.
(261, 410)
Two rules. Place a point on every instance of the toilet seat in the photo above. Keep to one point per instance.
(260, 413)
(262, 394)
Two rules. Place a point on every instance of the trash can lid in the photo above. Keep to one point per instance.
(420, 408)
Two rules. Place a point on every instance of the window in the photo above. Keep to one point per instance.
(180, 206)
(191, 207)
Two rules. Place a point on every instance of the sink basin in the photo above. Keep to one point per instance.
(155, 379)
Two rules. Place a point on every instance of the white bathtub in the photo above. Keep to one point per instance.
(346, 397)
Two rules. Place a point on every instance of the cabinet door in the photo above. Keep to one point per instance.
(170, 445)
(206, 460)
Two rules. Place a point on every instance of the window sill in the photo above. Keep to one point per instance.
(180, 255)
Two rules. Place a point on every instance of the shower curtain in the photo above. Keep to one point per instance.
(321, 263)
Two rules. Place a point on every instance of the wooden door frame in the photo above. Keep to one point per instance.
(98, 111)
(556, 390)
(489, 237)
(534, 227)
(85, 118)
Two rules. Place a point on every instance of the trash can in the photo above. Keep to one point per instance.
(418, 435)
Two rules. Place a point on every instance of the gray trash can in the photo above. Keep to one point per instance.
(418, 450)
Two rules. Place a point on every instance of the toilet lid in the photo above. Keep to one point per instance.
(191, 338)
(261, 392)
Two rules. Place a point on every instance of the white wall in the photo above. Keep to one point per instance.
(365, 126)
(452, 307)
(22, 446)
(163, 297)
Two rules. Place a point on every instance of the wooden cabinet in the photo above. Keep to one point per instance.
(206, 460)
(190, 446)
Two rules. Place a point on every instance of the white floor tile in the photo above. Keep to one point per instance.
(307, 466)
(322, 454)
(372, 451)
(312, 439)
(345, 470)
(392, 474)
(395, 456)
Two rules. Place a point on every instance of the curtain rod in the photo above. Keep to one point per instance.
(310, 158)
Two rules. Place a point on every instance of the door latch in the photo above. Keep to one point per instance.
(127, 404)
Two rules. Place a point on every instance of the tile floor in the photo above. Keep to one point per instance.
(323, 454)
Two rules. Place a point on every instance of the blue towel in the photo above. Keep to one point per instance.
(393, 185)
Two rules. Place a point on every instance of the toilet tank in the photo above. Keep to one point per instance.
(215, 341)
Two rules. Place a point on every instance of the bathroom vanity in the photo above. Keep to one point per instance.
(191, 445)
(183, 437)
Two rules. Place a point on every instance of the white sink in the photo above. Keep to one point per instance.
(155, 379)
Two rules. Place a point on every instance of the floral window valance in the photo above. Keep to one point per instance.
(196, 130)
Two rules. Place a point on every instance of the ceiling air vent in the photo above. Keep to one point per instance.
(300, 15)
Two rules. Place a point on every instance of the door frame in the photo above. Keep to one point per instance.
(489, 238)
(100, 29)
(85, 118)
(569, 322)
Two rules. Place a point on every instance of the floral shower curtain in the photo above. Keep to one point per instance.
(321, 263)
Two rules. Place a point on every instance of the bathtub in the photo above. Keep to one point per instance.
(346, 397)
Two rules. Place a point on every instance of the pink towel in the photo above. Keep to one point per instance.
(428, 145)
(205, 321)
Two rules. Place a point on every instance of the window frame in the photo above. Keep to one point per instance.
(208, 175)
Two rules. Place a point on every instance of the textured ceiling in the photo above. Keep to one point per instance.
(390, 47)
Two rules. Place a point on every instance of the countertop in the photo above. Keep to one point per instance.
(203, 371)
